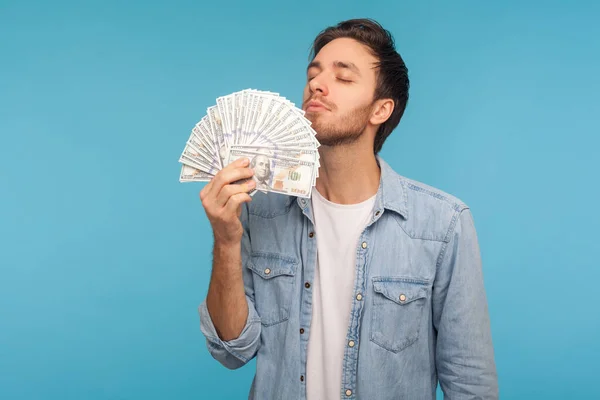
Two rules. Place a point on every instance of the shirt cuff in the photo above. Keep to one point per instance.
(243, 347)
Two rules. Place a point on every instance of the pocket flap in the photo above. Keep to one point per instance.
(401, 292)
(270, 265)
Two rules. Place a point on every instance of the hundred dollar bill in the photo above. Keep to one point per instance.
(250, 115)
(282, 130)
(300, 153)
(236, 116)
(225, 107)
(284, 153)
(194, 158)
(222, 113)
(287, 176)
(245, 105)
(216, 124)
(287, 119)
(190, 174)
(274, 108)
(230, 114)
(205, 134)
(297, 136)
(195, 143)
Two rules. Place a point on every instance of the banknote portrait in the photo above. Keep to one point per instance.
(262, 171)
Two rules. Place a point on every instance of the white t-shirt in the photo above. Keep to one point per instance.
(337, 228)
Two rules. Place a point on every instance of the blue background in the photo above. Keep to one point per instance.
(105, 256)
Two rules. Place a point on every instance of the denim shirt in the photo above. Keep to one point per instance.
(419, 312)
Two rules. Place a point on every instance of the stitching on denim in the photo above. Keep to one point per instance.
(405, 344)
(447, 239)
(457, 205)
(400, 279)
(236, 354)
(434, 194)
(401, 210)
(415, 237)
(275, 323)
(265, 254)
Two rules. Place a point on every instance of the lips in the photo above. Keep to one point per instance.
(314, 105)
(315, 108)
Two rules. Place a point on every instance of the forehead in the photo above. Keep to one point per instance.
(347, 50)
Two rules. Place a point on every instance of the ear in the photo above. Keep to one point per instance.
(382, 110)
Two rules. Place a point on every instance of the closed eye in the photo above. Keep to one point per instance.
(344, 80)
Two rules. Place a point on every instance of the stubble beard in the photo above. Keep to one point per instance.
(347, 130)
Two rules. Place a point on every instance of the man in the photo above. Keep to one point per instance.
(373, 288)
(261, 165)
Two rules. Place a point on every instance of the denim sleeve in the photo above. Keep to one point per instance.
(237, 352)
(464, 353)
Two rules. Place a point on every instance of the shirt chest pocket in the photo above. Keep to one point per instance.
(398, 307)
(273, 286)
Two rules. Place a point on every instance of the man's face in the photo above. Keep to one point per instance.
(339, 91)
(262, 168)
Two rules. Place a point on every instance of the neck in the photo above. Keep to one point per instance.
(349, 174)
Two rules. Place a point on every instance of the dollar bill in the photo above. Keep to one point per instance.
(206, 135)
(216, 124)
(300, 153)
(192, 158)
(287, 176)
(283, 152)
(190, 174)
(198, 145)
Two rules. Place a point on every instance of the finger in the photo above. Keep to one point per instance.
(235, 201)
(227, 177)
(231, 190)
(205, 190)
(239, 163)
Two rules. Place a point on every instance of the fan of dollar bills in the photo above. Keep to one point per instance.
(262, 126)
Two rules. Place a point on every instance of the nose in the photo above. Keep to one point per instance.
(318, 86)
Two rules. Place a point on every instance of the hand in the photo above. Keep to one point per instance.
(222, 200)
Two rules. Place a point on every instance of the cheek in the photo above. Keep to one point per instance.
(306, 93)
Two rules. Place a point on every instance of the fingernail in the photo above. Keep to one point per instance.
(251, 184)
(245, 161)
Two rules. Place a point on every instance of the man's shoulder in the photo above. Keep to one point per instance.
(417, 194)
(431, 212)
(423, 194)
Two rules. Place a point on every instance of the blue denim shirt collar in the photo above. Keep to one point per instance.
(392, 194)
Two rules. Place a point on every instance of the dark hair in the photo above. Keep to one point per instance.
(392, 74)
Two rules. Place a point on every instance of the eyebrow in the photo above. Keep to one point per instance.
(337, 64)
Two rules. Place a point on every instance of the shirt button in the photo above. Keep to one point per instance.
(359, 297)
(351, 343)
(364, 245)
(312, 234)
(301, 378)
(267, 271)
(301, 331)
(377, 213)
(348, 392)
(307, 285)
(402, 297)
